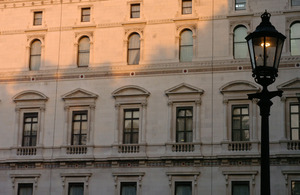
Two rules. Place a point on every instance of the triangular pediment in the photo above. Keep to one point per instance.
(239, 86)
(79, 94)
(183, 88)
(293, 84)
(30, 95)
(130, 90)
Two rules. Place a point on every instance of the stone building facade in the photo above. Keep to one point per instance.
(142, 97)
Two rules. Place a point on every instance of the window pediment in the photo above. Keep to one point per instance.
(79, 94)
(30, 96)
(184, 92)
(130, 90)
(239, 86)
(290, 85)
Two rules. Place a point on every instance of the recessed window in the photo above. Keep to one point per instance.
(186, 46)
(25, 189)
(79, 127)
(295, 38)
(37, 18)
(135, 10)
(184, 124)
(134, 49)
(239, 42)
(128, 188)
(76, 189)
(35, 55)
(186, 6)
(295, 121)
(295, 2)
(30, 129)
(84, 52)
(240, 4)
(85, 14)
(183, 188)
(240, 123)
(131, 126)
(240, 188)
(295, 187)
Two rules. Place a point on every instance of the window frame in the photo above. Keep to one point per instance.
(297, 22)
(123, 183)
(181, 46)
(238, 183)
(132, 12)
(31, 136)
(290, 120)
(131, 132)
(37, 21)
(128, 177)
(24, 179)
(35, 55)
(83, 15)
(70, 184)
(236, 3)
(81, 113)
(79, 52)
(185, 131)
(25, 185)
(183, 183)
(68, 178)
(239, 106)
(183, 8)
(295, 5)
(178, 176)
(130, 50)
(235, 43)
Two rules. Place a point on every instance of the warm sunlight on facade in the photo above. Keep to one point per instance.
(143, 97)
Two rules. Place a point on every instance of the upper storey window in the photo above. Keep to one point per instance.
(85, 14)
(186, 6)
(37, 18)
(240, 4)
(239, 42)
(295, 2)
(84, 52)
(295, 121)
(295, 38)
(134, 49)
(35, 55)
(186, 46)
(240, 123)
(30, 129)
(184, 124)
(135, 10)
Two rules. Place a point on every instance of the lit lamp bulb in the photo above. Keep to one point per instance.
(267, 44)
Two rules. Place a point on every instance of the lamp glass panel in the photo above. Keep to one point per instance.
(278, 52)
(270, 45)
(251, 52)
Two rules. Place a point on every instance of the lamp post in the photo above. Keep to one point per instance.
(265, 47)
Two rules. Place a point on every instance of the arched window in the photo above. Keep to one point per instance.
(295, 38)
(239, 42)
(186, 46)
(35, 55)
(83, 51)
(134, 49)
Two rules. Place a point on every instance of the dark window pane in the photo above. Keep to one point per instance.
(240, 188)
(25, 189)
(85, 14)
(128, 188)
(295, 2)
(183, 188)
(135, 11)
(184, 124)
(295, 187)
(131, 126)
(134, 49)
(240, 123)
(30, 128)
(76, 189)
(38, 17)
(79, 127)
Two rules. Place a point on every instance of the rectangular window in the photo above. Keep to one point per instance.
(240, 4)
(131, 126)
(183, 188)
(295, 187)
(135, 10)
(79, 127)
(37, 18)
(295, 121)
(240, 188)
(186, 6)
(240, 123)
(76, 189)
(128, 188)
(30, 128)
(85, 14)
(295, 2)
(25, 189)
(184, 124)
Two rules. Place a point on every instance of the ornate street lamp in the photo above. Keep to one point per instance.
(265, 47)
